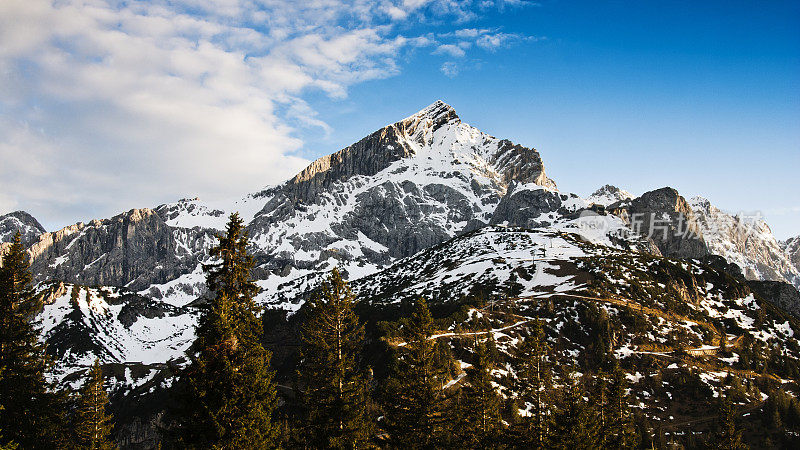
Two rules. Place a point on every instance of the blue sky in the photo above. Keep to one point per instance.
(107, 105)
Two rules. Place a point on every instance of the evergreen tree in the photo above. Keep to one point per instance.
(598, 393)
(481, 404)
(3, 444)
(32, 413)
(620, 430)
(228, 391)
(574, 425)
(333, 382)
(727, 435)
(535, 384)
(92, 424)
(414, 398)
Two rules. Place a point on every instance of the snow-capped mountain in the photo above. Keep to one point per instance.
(401, 189)
(22, 222)
(608, 195)
(746, 241)
(398, 191)
(425, 206)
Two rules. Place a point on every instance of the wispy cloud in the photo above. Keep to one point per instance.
(450, 49)
(106, 105)
(450, 69)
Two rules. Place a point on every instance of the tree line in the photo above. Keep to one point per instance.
(34, 412)
(225, 397)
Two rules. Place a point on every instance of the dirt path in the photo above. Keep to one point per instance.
(704, 419)
(398, 343)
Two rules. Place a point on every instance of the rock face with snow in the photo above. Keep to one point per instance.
(114, 324)
(191, 213)
(792, 248)
(133, 249)
(533, 206)
(22, 222)
(402, 189)
(608, 195)
(667, 219)
(745, 241)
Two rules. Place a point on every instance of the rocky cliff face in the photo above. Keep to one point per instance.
(667, 219)
(404, 188)
(745, 241)
(22, 222)
(792, 248)
(133, 249)
(781, 294)
(430, 128)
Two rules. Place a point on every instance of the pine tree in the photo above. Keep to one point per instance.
(333, 382)
(574, 424)
(92, 424)
(727, 435)
(481, 404)
(4, 445)
(33, 412)
(620, 431)
(535, 384)
(415, 399)
(228, 391)
(598, 390)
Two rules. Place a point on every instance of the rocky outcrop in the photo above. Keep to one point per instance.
(608, 195)
(528, 208)
(666, 218)
(366, 157)
(792, 249)
(782, 295)
(746, 241)
(191, 213)
(405, 139)
(22, 222)
(133, 249)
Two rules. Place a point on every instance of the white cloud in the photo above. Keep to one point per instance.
(106, 105)
(469, 32)
(450, 49)
(493, 41)
(450, 69)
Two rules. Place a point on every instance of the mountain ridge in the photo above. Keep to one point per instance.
(403, 188)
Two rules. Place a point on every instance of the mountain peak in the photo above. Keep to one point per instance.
(438, 113)
(700, 203)
(21, 221)
(608, 195)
